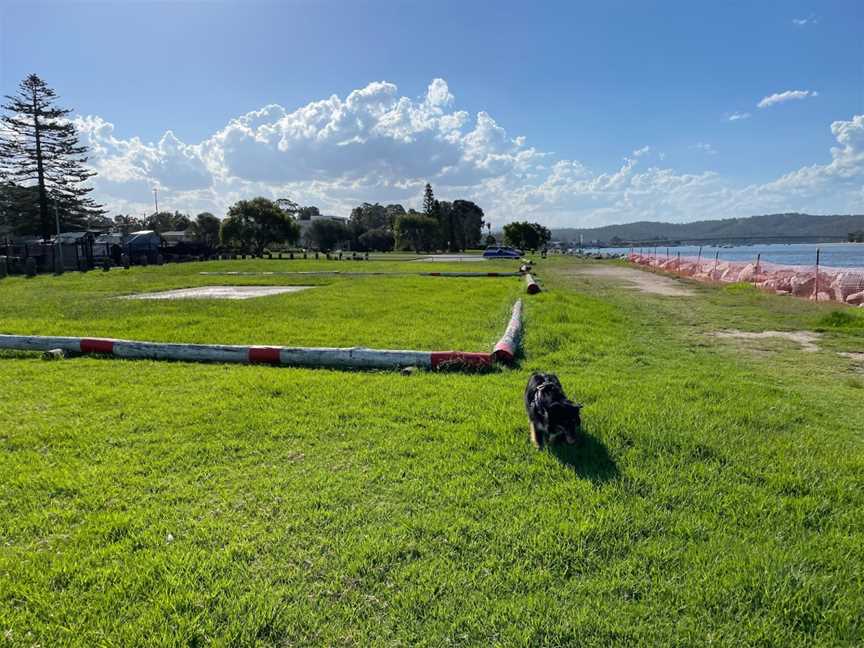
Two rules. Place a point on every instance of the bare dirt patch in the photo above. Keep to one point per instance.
(805, 339)
(642, 281)
(219, 292)
(857, 357)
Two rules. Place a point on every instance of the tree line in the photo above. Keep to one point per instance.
(371, 227)
(526, 236)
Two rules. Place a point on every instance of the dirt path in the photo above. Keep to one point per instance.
(640, 280)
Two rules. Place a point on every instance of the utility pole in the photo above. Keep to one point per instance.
(156, 201)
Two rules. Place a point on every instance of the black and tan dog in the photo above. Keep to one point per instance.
(551, 414)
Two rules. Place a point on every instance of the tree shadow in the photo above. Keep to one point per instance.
(589, 458)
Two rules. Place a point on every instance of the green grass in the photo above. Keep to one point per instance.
(377, 311)
(718, 498)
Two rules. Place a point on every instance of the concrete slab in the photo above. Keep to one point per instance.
(219, 292)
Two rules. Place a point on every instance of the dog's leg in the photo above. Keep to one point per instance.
(536, 437)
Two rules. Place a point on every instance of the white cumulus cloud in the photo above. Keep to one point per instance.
(788, 95)
(376, 145)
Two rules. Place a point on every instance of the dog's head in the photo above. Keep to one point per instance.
(564, 418)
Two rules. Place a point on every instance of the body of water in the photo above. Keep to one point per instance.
(843, 255)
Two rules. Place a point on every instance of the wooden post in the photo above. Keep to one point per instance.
(678, 265)
(699, 260)
(716, 258)
(532, 287)
(58, 259)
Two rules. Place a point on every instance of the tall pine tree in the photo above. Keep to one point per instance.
(39, 148)
(428, 201)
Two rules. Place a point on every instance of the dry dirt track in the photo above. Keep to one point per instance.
(640, 280)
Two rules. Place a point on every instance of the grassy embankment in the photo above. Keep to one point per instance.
(718, 498)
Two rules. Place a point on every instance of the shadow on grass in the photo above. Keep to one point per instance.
(589, 459)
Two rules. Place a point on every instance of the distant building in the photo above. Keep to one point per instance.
(144, 243)
(184, 236)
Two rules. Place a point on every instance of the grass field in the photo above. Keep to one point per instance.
(719, 498)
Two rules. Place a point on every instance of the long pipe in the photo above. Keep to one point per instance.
(506, 348)
(361, 274)
(358, 357)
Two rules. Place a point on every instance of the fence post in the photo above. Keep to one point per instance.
(816, 283)
(714, 271)
(756, 271)
(58, 259)
(699, 261)
(678, 265)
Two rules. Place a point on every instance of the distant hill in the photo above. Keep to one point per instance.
(778, 227)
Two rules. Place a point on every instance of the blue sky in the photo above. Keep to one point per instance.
(587, 85)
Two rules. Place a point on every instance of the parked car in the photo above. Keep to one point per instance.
(501, 252)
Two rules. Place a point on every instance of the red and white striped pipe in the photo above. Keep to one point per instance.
(361, 274)
(532, 287)
(505, 349)
(353, 358)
